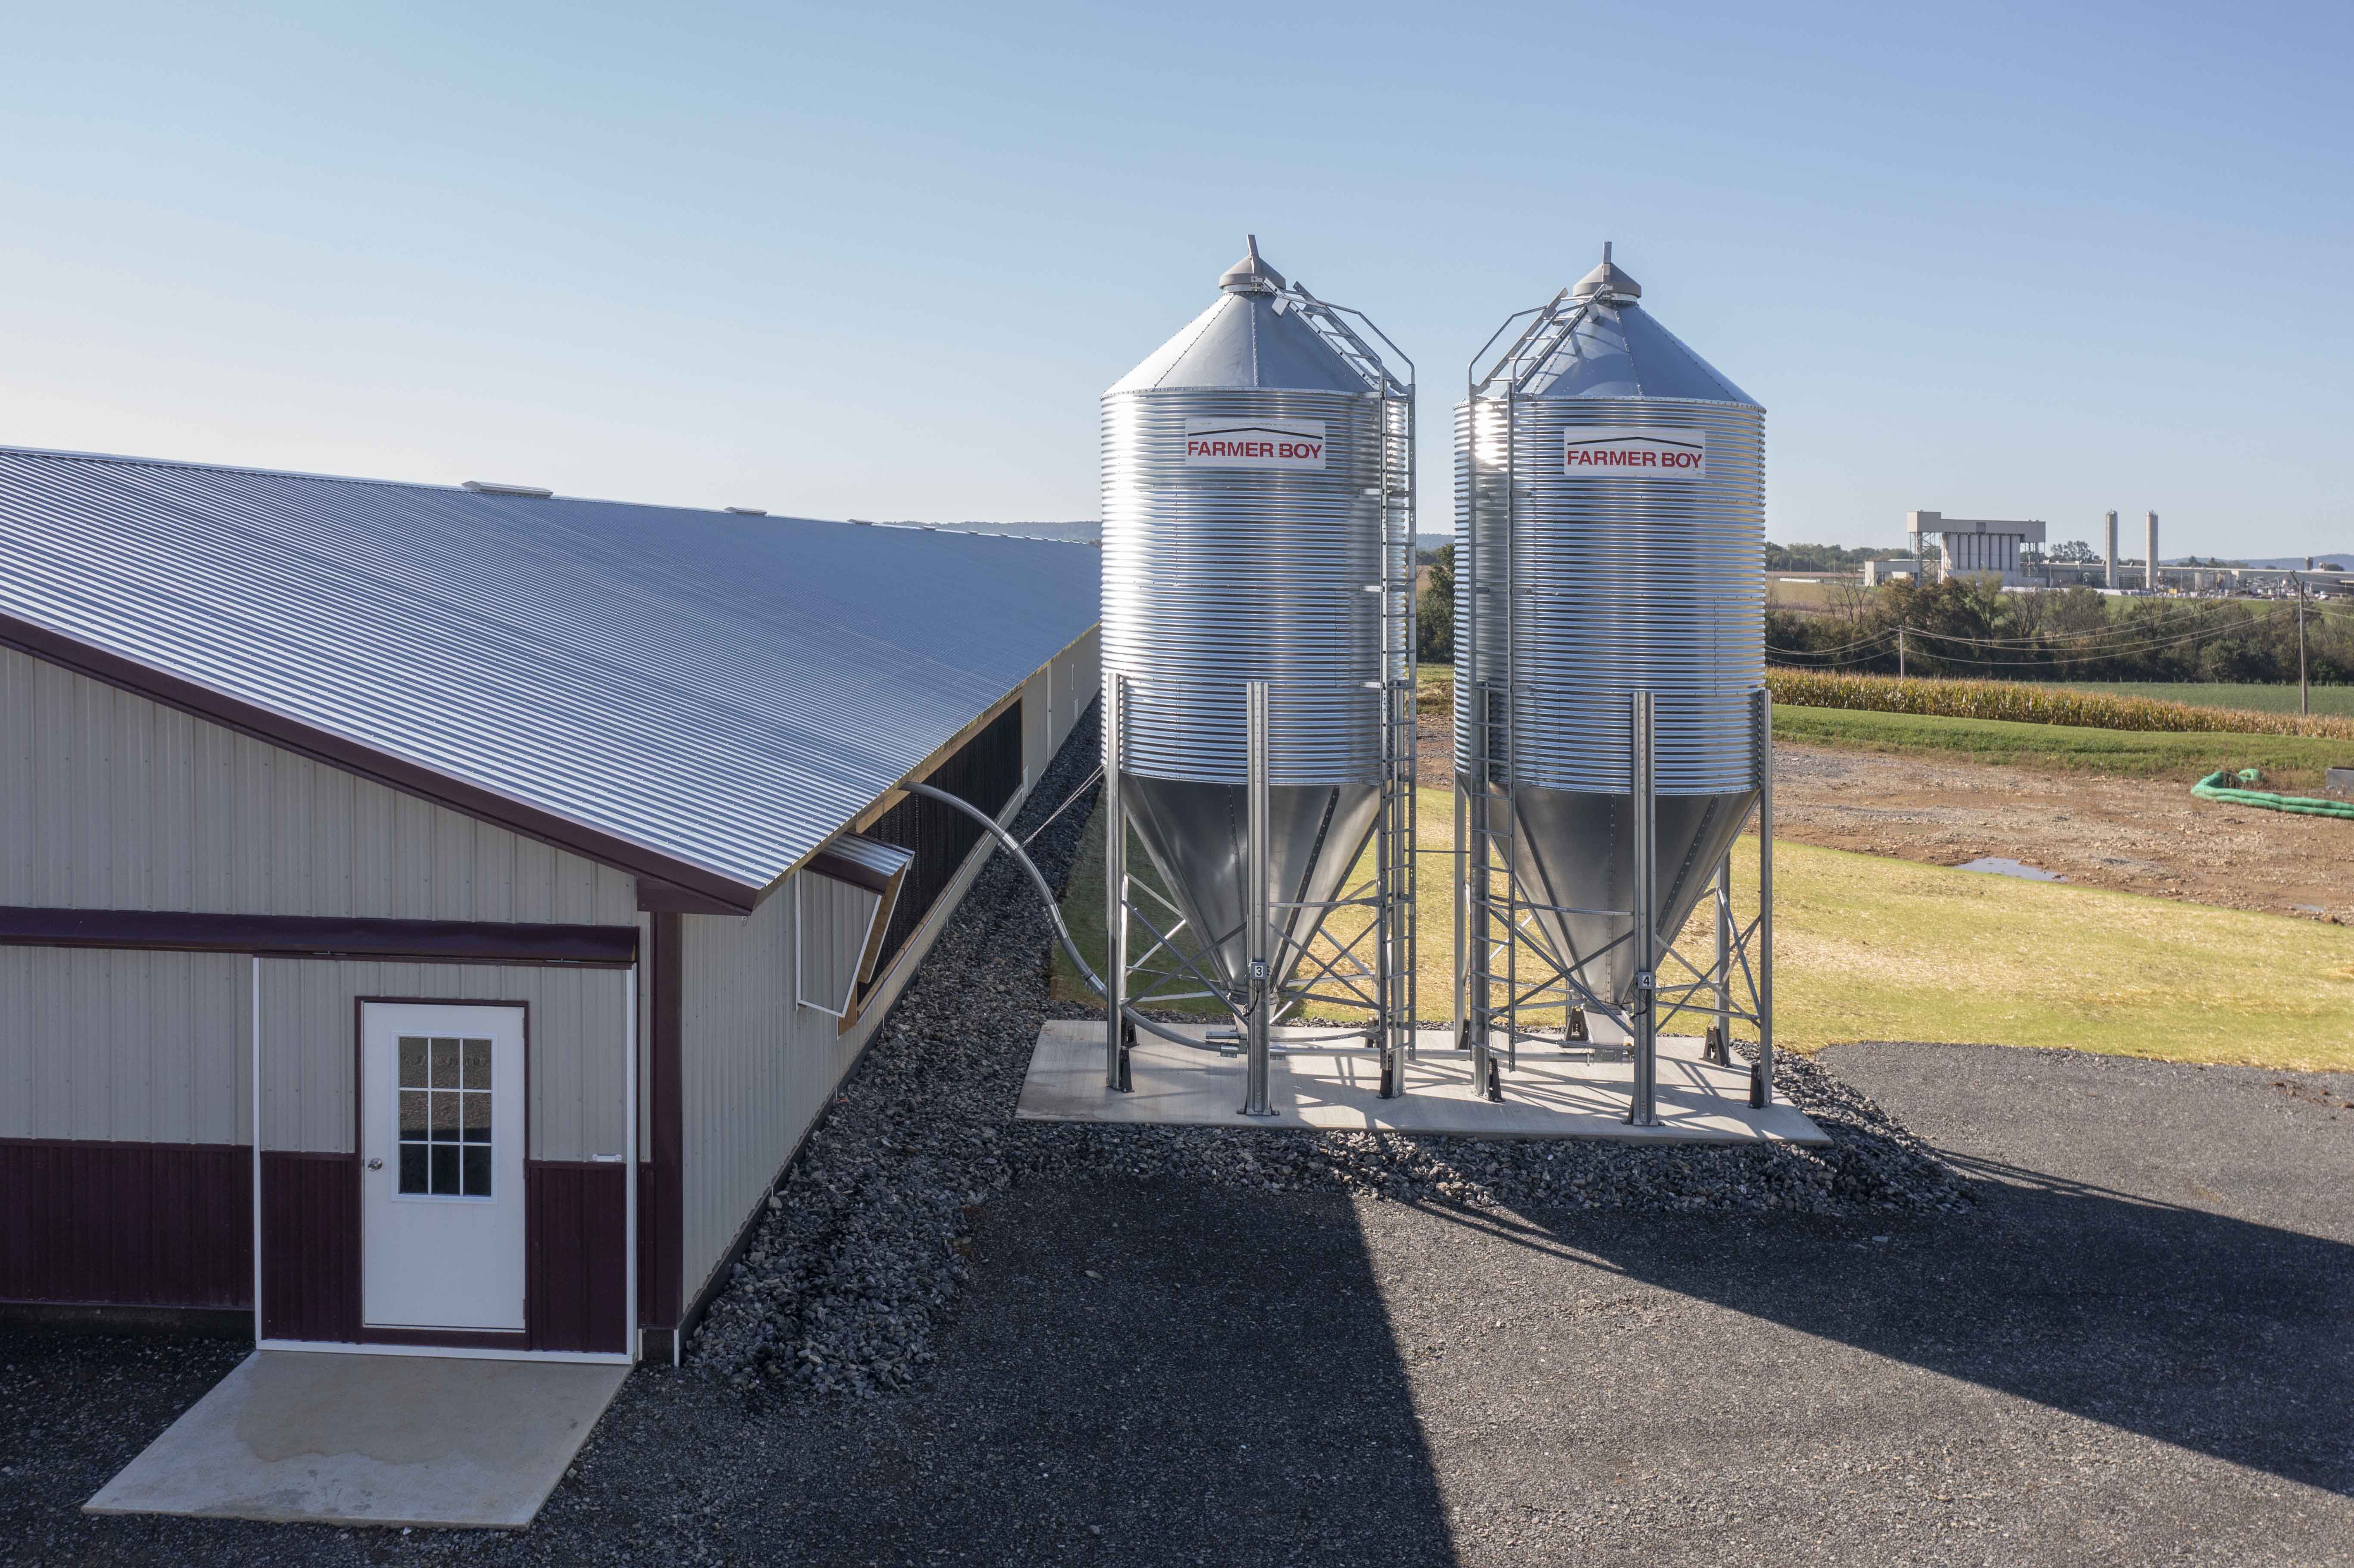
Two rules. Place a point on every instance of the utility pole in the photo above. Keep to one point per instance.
(1900, 649)
(2304, 697)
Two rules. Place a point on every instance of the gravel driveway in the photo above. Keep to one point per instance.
(2113, 1327)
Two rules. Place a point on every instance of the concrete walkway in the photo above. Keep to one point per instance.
(1552, 1094)
(329, 1438)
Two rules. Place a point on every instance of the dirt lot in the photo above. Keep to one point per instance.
(2137, 835)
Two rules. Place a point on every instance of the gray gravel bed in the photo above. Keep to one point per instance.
(868, 1242)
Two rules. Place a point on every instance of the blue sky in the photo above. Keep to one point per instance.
(880, 262)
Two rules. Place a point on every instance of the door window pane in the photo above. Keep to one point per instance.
(444, 1101)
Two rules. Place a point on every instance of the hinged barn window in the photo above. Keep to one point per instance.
(844, 901)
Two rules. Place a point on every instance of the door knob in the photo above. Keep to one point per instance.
(376, 1165)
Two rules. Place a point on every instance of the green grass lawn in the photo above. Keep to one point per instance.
(2264, 699)
(2293, 762)
(1872, 948)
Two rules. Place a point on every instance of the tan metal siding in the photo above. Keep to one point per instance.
(1054, 698)
(1077, 677)
(111, 802)
(130, 1047)
(1037, 725)
(757, 1068)
(308, 1043)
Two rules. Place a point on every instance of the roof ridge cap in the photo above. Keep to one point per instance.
(130, 460)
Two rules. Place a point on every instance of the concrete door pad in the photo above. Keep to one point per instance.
(331, 1438)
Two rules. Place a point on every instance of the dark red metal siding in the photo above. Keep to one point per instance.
(578, 1225)
(986, 771)
(128, 1224)
(310, 1247)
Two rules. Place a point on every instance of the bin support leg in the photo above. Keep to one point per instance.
(1255, 1093)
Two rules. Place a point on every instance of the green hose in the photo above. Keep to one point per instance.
(2219, 786)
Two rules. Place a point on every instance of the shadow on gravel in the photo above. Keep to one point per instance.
(1202, 1375)
(2223, 1337)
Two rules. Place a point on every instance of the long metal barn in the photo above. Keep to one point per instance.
(433, 916)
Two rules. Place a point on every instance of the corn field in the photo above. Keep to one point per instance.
(1949, 698)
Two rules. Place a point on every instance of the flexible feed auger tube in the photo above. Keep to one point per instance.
(2218, 786)
(1046, 893)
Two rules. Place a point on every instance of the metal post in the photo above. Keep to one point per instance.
(1462, 902)
(1722, 974)
(1115, 817)
(1479, 1013)
(1900, 649)
(1761, 1082)
(1494, 1082)
(1643, 1111)
(630, 1152)
(254, 1068)
(2304, 697)
(1255, 1098)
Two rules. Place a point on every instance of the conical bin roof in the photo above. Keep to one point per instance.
(1620, 350)
(1251, 338)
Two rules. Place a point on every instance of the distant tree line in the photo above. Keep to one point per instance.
(1967, 626)
(1434, 612)
(1828, 558)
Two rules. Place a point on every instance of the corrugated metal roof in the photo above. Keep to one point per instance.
(1244, 341)
(1620, 350)
(723, 691)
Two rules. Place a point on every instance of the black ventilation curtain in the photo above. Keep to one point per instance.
(985, 770)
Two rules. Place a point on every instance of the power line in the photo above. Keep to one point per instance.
(2038, 639)
(2031, 651)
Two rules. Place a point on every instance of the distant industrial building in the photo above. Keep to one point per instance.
(1973, 545)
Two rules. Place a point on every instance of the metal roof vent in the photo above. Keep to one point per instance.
(1250, 275)
(1606, 281)
(485, 487)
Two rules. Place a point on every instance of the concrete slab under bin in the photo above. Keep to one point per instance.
(328, 1439)
(1552, 1093)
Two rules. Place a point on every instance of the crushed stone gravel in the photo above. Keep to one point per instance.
(867, 1243)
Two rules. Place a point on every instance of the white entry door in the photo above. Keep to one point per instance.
(441, 1136)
